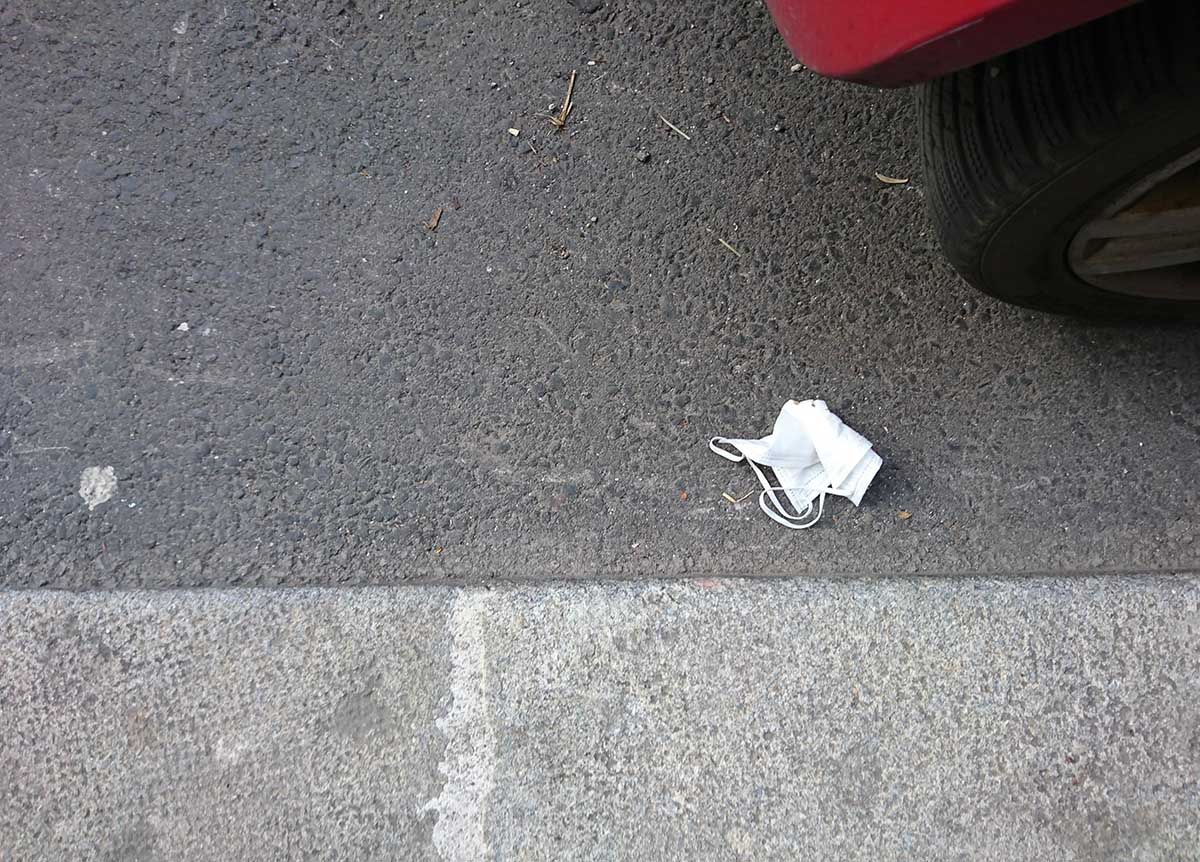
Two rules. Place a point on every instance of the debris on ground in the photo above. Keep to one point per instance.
(434, 220)
(642, 156)
(728, 246)
(675, 128)
(904, 514)
(97, 485)
(892, 181)
(813, 455)
(565, 111)
(514, 132)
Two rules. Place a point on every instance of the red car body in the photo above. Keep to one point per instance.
(890, 43)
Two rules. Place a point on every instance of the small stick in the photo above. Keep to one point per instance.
(675, 128)
(434, 219)
(570, 91)
(737, 500)
(565, 110)
(728, 246)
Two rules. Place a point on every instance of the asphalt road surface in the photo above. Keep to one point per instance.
(224, 317)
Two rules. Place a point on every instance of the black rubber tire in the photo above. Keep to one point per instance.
(1020, 152)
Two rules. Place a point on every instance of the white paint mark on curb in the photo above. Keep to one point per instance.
(469, 764)
(97, 485)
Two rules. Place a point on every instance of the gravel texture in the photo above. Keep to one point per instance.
(1048, 720)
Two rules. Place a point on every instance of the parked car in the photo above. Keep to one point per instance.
(1061, 138)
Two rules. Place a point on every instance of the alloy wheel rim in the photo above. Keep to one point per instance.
(1147, 242)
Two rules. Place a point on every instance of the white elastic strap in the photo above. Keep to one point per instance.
(768, 489)
(792, 522)
(725, 453)
(779, 513)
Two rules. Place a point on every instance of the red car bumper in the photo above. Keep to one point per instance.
(890, 43)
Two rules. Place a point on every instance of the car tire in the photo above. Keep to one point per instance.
(1065, 176)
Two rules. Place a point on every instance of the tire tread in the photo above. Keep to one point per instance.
(996, 133)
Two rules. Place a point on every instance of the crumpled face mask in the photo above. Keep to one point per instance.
(813, 454)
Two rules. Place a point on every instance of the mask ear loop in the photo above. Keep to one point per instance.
(792, 522)
(735, 457)
(768, 489)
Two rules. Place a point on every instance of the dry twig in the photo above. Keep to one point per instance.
(675, 128)
(728, 246)
(565, 111)
(735, 500)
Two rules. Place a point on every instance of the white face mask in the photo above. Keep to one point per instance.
(813, 454)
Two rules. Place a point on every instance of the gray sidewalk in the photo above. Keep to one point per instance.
(932, 719)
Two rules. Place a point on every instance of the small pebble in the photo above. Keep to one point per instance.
(642, 156)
